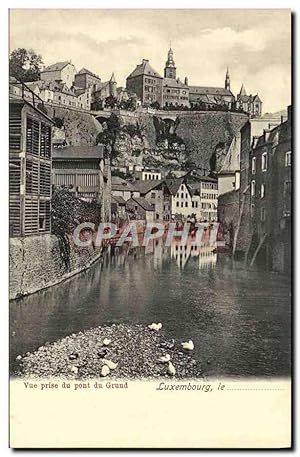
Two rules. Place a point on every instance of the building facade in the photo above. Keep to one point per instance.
(175, 92)
(158, 195)
(62, 72)
(146, 83)
(271, 196)
(85, 79)
(30, 156)
(122, 188)
(251, 104)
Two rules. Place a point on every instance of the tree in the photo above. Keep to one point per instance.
(109, 135)
(25, 64)
(155, 105)
(111, 102)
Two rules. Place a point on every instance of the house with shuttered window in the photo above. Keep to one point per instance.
(29, 165)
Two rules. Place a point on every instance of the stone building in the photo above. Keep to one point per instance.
(122, 188)
(270, 196)
(175, 92)
(58, 93)
(242, 225)
(158, 195)
(106, 89)
(201, 96)
(140, 208)
(181, 197)
(30, 155)
(62, 72)
(146, 175)
(251, 104)
(146, 83)
(86, 79)
(204, 199)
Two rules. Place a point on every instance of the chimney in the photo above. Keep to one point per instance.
(289, 110)
(145, 61)
(266, 134)
(254, 141)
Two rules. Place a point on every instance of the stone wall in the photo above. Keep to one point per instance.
(228, 215)
(36, 263)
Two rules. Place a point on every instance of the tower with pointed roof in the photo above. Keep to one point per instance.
(112, 85)
(170, 68)
(251, 104)
(243, 91)
(227, 80)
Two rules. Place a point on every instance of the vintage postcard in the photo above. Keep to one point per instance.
(150, 190)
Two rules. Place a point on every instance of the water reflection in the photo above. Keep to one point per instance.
(238, 320)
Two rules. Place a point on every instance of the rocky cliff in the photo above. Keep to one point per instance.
(171, 141)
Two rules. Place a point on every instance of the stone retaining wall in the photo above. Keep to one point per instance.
(36, 263)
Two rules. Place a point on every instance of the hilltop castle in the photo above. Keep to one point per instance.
(170, 91)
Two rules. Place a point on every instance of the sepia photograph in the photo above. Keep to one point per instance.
(150, 201)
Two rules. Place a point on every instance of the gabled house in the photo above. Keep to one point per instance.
(181, 197)
(84, 171)
(146, 83)
(122, 188)
(157, 193)
(63, 72)
(251, 104)
(140, 208)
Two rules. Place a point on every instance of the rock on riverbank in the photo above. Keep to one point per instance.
(134, 348)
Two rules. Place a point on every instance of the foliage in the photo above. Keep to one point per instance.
(59, 122)
(129, 104)
(25, 64)
(155, 105)
(67, 213)
(111, 102)
(109, 135)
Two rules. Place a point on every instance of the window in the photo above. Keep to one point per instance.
(252, 188)
(186, 203)
(288, 159)
(177, 203)
(264, 161)
(253, 170)
(288, 187)
(262, 190)
(152, 194)
(182, 195)
(181, 204)
(263, 214)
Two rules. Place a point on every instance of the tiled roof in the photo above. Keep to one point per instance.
(144, 69)
(170, 82)
(118, 183)
(142, 202)
(78, 152)
(57, 66)
(85, 71)
(118, 199)
(174, 184)
(210, 90)
(145, 186)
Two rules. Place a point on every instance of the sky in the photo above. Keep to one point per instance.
(254, 44)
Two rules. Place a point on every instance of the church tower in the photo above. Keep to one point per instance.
(227, 80)
(170, 69)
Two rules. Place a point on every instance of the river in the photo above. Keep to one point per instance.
(239, 320)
